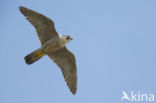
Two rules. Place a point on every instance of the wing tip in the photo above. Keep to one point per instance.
(72, 87)
(21, 7)
(73, 92)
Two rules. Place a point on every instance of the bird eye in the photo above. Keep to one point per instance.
(68, 37)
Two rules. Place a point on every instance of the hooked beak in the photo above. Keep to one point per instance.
(71, 38)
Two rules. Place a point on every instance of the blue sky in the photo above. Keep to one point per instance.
(114, 44)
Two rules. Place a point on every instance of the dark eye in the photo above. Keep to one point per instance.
(68, 37)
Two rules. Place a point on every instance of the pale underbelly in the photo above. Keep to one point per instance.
(51, 49)
(51, 46)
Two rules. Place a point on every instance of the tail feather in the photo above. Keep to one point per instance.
(34, 56)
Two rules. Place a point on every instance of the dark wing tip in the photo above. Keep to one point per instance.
(72, 87)
(73, 92)
(21, 8)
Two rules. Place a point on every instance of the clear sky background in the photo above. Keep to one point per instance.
(114, 44)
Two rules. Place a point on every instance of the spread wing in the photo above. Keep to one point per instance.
(43, 25)
(66, 61)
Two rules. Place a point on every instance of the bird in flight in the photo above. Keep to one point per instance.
(53, 45)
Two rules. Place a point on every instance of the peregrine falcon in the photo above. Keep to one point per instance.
(53, 45)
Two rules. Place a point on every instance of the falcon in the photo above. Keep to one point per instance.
(53, 45)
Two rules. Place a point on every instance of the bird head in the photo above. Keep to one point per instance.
(67, 38)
